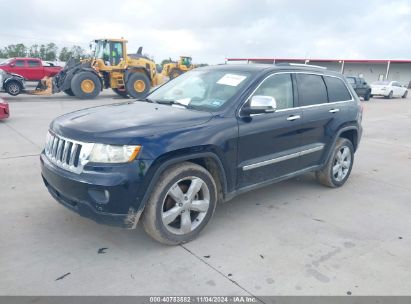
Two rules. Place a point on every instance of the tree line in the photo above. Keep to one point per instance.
(47, 52)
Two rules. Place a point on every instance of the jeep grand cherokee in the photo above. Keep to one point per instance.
(199, 140)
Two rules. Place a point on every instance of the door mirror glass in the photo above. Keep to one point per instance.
(12, 65)
(261, 104)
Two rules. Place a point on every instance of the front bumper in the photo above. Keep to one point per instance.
(108, 195)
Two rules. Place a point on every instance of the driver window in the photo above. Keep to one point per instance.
(116, 52)
(280, 87)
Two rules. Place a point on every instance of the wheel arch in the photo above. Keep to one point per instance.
(207, 159)
(350, 132)
(14, 79)
(134, 69)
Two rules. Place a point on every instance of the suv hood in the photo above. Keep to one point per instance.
(124, 122)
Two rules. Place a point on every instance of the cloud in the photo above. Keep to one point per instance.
(212, 30)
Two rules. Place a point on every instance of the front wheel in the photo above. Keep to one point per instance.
(69, 92)
(405, 94)
(120, 93)
(86, 85)
(338, 167)
(181, 204)
(13, 88)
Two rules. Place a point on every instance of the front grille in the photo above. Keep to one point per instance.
(65, 153)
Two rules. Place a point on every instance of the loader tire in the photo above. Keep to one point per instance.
(175, 73)
(120, 93)
(69, 92)
(138, 85)
(85, 85)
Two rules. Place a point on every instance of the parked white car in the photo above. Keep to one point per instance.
(388, 89)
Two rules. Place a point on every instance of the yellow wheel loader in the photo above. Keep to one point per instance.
(174, 69)
(109, 67)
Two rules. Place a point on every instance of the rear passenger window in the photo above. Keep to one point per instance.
(337, 91)
(311, 89)
(20, 63)
(33, 63)
(280, 87)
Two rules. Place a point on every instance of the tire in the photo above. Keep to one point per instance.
(367, 96)
(389, 96)
(405, 94)
(330, 175)
(120, 93)
(86, 85)
(175, 73)
(138, 85)
(181, 178)
(69, 92)
(13, 88)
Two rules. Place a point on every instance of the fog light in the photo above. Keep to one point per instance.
(99, 196)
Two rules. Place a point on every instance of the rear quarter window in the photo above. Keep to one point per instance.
(34, 63)
(337, 90)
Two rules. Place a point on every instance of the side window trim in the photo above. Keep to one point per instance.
(297, 104)
(261, 82)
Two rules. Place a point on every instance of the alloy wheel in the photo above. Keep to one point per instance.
(185, 205)
(342, 163)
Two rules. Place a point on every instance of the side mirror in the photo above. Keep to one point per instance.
(260, 104)
(364, 83)
(12, 65)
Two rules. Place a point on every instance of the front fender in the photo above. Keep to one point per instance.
(162, 163)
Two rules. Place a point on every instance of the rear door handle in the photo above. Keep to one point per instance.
(334, 110)
(293, 117)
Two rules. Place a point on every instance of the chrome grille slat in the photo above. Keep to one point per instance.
(73, 154)
(66, 153)
(59, 149)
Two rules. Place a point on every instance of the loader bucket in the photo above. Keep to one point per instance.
(44, 87)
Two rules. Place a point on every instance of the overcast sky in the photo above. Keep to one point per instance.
(213, 30)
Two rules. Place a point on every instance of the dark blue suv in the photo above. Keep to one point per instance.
(199, 140)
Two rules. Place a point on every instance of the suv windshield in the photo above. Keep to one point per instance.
(206, 90)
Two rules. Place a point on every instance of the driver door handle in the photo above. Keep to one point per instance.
(334, 110)
(293, 117)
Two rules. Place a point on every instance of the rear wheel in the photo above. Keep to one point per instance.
(405, 94)
(181, 204)
(138, 85)
(13, 88)
(120, 93)
(338, 167)
(85, 85)
(69, 92)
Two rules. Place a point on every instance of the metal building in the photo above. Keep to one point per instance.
(370, 69)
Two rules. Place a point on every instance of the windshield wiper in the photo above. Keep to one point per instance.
(173, 102)
(149, 100)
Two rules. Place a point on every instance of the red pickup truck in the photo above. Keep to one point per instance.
(32, 69)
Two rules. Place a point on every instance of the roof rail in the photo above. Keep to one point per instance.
(302, 65)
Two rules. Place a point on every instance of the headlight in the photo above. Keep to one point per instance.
(102, 153)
